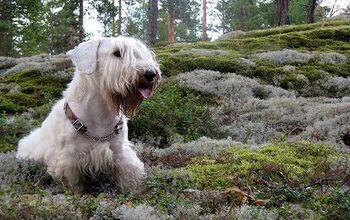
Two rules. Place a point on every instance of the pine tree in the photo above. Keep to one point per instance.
(282, 8)
(171, 25)
(81, 21)
(120, 21)
(152, 20)
(311, 11)
(225, 15)
(106, 13)
(63, 25)
(6, 26)
(204, 20)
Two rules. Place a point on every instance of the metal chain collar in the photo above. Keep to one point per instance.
(100, 139)
(82, 129)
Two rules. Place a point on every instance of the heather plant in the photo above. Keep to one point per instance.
(246, 63)
(232, 34)
(202, 52)
(333, 57)
(289, 68)
(9, 88)
(285, 56)
(20, 171)
(288, 56)
(337, 86)
(230, 85)
(246, 212)
(43, 63)
(204, 146)
(254, 113)
(135, 213)
(103, 210)
(42, 67)
(6, 62)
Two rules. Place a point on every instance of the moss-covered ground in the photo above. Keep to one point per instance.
(300, 83)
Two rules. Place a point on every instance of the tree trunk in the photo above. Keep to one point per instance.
(223, 24)
(152, 18)
(204, 21)
(71, 36)
(241, 18)
(3, 44)
(311, 11)
(171, 30)
(113, 22)
(81, 20)
(6, 18)
(282, 7)
(120, 17)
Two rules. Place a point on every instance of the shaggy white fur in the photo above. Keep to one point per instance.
(112, 77)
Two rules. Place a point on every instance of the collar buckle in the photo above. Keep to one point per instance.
(82, 129)
(77, 125)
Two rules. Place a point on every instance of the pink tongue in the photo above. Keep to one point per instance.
(146, 93)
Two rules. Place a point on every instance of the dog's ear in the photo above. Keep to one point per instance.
(84, 56)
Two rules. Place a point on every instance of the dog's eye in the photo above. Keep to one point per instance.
(117, 53)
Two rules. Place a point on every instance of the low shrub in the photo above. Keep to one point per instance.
(285, 56)
(173, 111)
(288, 164)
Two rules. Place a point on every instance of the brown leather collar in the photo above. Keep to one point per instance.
(82, 129)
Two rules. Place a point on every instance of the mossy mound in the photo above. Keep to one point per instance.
(319, 38)
(289, 164)
(28, 88)
(32, 89)
(271, 179)
(275, 176)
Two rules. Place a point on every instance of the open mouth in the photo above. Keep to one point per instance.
(145, 92)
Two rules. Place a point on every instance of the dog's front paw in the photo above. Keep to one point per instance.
(129, 177)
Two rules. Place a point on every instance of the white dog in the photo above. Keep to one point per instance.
(86, 133)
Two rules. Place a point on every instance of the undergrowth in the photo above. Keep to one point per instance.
(270, 87)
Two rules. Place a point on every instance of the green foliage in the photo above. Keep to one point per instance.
(225, 10)
(136, 21)
(31, 92)
(334, 204)
(12, 129)
(247, 15)
(105, 12)
(186, 20)
(279, 164)
(32, 27)
(63, 24)
(173, 111)
(32, 89)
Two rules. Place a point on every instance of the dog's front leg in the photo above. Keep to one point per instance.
(64, 168)
(129, 170)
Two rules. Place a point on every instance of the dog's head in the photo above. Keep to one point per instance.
(124, 68)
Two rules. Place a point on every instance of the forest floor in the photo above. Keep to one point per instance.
(254, 125)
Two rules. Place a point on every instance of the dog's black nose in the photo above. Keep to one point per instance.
(149, 75)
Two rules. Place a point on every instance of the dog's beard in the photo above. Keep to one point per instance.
(127, 104)
(119, 104)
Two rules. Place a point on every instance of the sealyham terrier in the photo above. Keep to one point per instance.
(86, 132)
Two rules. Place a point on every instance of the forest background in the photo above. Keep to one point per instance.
(29, 27)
